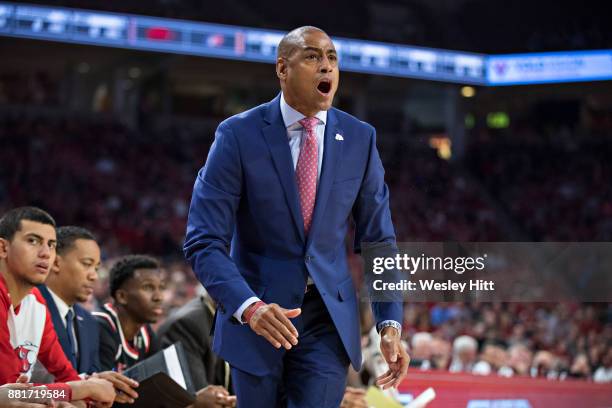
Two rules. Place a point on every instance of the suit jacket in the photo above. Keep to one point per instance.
(191, 325)
(245, 233)
(87, 334)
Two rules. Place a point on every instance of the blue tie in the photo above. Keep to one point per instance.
(71, 340)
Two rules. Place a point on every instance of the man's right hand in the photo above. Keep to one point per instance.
(272, 322)
(8, 399)
(124, 386)
(99, 390)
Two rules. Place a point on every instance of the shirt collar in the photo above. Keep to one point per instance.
(62, 307)
(291, 116)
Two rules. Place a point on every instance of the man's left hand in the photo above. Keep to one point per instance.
(396, 357)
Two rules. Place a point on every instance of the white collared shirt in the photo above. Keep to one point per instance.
(296, 134)
(62, 308)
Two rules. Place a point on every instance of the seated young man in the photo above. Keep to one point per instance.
(126, 337)
(27, 251)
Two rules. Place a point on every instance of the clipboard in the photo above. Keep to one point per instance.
(165, 380)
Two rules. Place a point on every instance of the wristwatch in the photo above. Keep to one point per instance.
(389, 323)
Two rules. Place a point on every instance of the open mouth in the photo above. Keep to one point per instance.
(324, 86)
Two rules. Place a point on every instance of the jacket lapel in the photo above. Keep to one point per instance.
(332, 154)
(276, 137)
(60, 329)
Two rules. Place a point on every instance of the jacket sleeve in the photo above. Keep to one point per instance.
(210, 225)
(373, 225)
(52, 356)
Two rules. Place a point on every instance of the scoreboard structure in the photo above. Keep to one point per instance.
(258, 45)
(231, 42)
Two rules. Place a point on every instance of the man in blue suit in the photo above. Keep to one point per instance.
(269, 214)
(76, 328)
(71, 281)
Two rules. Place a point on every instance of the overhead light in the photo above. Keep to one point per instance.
(468, 91)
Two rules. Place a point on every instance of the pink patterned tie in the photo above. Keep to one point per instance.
(306, 171)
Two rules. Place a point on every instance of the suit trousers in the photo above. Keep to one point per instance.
(310, 375)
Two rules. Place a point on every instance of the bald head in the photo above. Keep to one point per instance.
(294, 40)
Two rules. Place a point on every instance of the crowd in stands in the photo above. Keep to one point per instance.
(432, 201)
(85, 173)
(104, 161)
(557, 341)
(554, 341)
(557, 190)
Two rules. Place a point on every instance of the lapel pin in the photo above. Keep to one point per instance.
(339, 137)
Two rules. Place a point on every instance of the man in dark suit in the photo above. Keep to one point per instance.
(71, 281)
(265, 234)
(191, 325)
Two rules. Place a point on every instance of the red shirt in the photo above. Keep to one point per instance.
(27, 335)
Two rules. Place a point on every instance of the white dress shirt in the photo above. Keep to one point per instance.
(62, 308)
